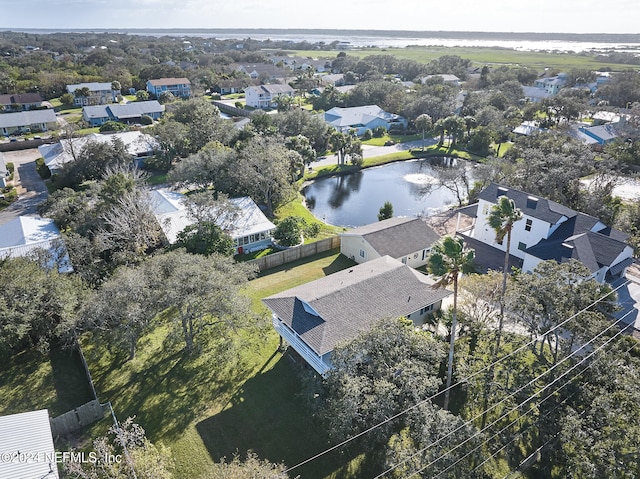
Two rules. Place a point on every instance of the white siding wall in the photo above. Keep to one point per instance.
(355, 246)
(483, 232)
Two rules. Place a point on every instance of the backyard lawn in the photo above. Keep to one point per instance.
(204, 408)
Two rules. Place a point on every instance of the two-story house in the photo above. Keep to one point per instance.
(93, 93)
(178, 87)
(549, 230)
(266, 96)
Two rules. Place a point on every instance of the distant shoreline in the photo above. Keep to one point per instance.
(578, 37)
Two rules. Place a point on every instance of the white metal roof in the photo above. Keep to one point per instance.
(170, 209)
(24, 234)
(26, 438)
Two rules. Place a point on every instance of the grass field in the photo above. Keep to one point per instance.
(485, 56)
(204, 409)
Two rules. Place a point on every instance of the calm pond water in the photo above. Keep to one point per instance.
(355, 199)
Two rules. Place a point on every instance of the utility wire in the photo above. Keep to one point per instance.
(461, 381)
(505, 399)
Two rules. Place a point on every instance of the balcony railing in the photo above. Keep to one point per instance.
(300, 346)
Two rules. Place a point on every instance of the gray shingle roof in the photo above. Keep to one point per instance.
(396, 237)
(26, 118)
(531, 205)
(353, 300)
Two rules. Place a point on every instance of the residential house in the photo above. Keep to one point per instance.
(335, 79)
(20, 102)
(98, 93)
(446, 78)
(27, 446)
(601, 134)
(551, 84)
(226, 87)
(266, 96)
(528, 128)
(534, 94)
(549, 230)
(362, 118)
(178, 87)
(139, 146)
(127, 113)
(408, 240)
(31, 121)
(318, 316)
(264, 71)
(25, 235)
(248, 226)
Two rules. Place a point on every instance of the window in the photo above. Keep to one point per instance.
(521, 246)
(362, 253)
(404, 260)
(426, 309)
(528, 224)
(425, 253)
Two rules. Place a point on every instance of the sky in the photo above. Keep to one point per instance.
(566, 16)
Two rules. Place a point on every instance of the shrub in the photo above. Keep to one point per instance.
(312, 230)
(379, 131)
(146, 120)
(239, 105)
(367, 135)
(8, 195)
(113, 126)
(10, 168)
(43, 170)
(289, 231)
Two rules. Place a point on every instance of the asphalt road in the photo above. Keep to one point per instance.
(31, 188)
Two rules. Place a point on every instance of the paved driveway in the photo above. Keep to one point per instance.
(31, 188)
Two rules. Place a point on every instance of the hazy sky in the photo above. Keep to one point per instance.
(573, 16)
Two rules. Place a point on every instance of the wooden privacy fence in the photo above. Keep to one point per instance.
(77, 418)
(295, 253)
(232, 110)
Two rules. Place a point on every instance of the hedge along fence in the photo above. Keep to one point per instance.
(296, 253)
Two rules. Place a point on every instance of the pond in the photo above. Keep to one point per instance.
(355, 199)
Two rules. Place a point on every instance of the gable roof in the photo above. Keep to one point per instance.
(170, 81)
(357, 116)
(20, 98)
(170, 209)
(396, 237)
(28, 432)
(352, 301)
(24, 235)
(585, 239)
(128, 110)
(272, 89)
(531, 205)
(26, 118)
(57, 154)
(92, 86)
(601, 133)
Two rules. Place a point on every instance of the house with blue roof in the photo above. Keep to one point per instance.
(362, 118)
(549, 230)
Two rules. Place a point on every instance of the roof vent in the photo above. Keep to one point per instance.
(532, 202)
(501, 191)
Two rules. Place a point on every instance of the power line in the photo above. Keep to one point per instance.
(461, 381)
(503, 400)
(516, 420)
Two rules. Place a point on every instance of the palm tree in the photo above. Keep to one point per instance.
(424, 123)
(439, 129)
(448, 259)
(502, 217)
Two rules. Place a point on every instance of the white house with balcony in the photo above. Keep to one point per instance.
(549, 230)
(316, 317)
(266, 96)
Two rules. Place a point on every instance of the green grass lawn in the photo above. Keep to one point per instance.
(296, 207)
(204, 409)
(30, 380)
(486, 55)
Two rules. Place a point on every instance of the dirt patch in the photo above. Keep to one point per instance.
(447, 223)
